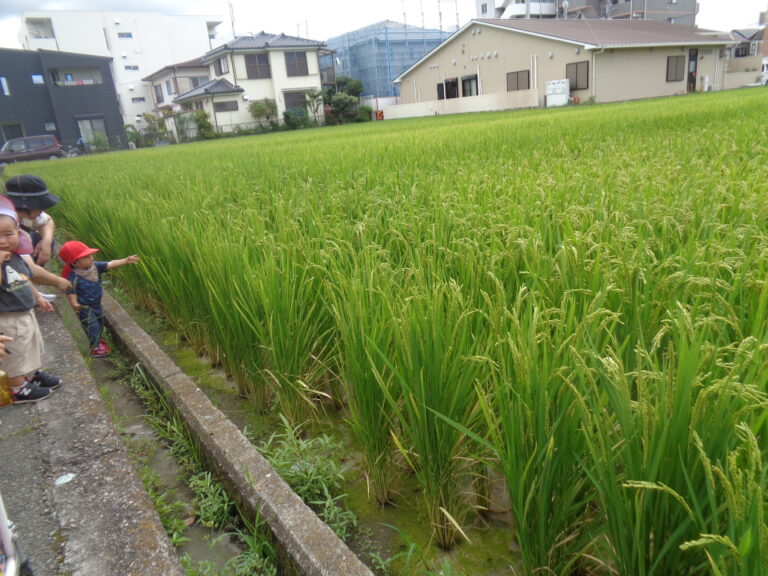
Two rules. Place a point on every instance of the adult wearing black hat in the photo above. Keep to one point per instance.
(31, 197)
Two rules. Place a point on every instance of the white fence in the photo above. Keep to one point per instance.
(485, 103)
(740, 79)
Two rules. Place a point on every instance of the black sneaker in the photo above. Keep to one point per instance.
(45, 380)
(30, 394)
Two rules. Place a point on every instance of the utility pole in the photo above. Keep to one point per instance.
(232, 19)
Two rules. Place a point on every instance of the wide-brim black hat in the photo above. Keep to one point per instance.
(29, 192)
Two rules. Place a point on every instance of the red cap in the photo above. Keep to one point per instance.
(72, 251)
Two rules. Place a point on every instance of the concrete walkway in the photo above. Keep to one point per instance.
(67, 482)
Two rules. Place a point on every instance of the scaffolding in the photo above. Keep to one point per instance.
(379, 53)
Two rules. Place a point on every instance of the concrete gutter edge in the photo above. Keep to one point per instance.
(310, 545)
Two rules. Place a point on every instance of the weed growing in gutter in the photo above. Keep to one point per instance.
(213, 506)
(310, 467)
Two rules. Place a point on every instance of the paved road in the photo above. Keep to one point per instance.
(68, 484)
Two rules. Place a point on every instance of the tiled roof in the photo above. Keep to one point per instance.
(747, 34)
(263, 41)
(218, 86)
(612, 33)
(195, 63)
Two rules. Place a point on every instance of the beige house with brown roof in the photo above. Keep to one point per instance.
(500, 64)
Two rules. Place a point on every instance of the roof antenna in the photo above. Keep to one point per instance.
(232, 19)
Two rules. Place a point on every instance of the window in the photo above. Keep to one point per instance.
(483, 8)
(89, 127)
(4, 91)
(578, 75)
(125, 34)
(228, 106)
(257, 66)
(158, 93)
(171, 86)
(196, 81)
(131, 67)
(9, 131)
(138, 99)
(742, 51)
(296, 64)
(221, 66)
(295, 100)
(520, 80)
(469, 85)
(675, 68)
(451, 88)
(50, 126)
(69, 78)
(37, 79)
(440, 91)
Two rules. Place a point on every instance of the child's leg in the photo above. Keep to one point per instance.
(23, 355)
(89, 320)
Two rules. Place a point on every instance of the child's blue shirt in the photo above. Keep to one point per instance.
(88, 292)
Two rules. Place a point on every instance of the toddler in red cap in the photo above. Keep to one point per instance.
(85, 297)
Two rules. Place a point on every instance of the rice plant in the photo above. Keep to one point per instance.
(571, 296)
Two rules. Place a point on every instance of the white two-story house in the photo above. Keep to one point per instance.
(275, 67)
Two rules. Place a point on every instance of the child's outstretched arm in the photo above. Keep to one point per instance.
(122, 262)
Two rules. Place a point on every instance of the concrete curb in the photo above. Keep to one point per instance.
(305, 544)
(107, 523)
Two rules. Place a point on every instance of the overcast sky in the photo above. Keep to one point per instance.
(320, 20)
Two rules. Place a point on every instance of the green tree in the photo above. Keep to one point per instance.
(315, 100)
(347, 85)
(344, 106)
(183, 124)
(132, 135)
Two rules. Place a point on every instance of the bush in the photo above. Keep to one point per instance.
(364, 114)
(296, 118)
(204, 126)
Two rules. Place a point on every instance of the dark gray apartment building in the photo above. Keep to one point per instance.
(61, 93)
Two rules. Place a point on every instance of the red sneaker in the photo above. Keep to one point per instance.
(99, 352)
(103, 344)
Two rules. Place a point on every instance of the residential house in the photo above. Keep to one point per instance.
(137, 42)
(670, 11)
(173, 80)
(512, 63)
(60, 93)
(746, 56)
(276, 67)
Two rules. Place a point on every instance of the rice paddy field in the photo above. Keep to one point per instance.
(573, 301)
